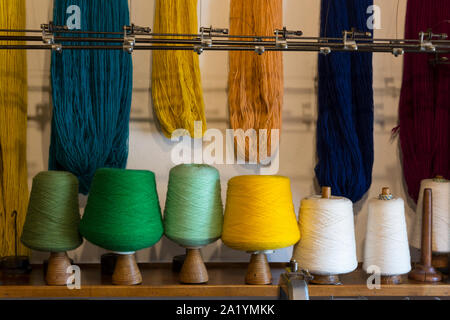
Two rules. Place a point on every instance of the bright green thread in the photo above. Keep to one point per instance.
(53, 214)
(123, 212)
(193, 215)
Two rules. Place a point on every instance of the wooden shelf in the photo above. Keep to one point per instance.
(226, 280)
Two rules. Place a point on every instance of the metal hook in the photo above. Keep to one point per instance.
(349, 38)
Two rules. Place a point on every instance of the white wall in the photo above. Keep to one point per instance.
(150, 150)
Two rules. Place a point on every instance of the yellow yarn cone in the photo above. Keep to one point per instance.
(13, 127)
(259, 214)
(176, 83)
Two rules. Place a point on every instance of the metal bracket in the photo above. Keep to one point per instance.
(325, 50)
(438, 60)
(281, 36)
(206, 34)
(48, 35)
(349, 38)
(129, 36)
(398, 52)
(426, 38)
(294, 283)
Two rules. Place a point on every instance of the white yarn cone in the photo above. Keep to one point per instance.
(327, 245)
(386, 244)
(441, 215)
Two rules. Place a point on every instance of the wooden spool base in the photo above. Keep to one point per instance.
(441, 262)
(332, 279)
(194, 269)
(425, 274)
(57, 269)
(126, 272)
(258, 271)
(397, 279)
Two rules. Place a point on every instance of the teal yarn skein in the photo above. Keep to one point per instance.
(193, 215)
(122, 212)
(53, 213)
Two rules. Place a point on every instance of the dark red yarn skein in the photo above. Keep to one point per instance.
(425, 100)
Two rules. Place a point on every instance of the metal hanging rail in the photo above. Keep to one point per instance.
(58, 38)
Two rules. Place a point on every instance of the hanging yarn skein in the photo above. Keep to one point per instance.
(255, 82)
(13, 132)
(91, 95)
(259, 214)
(176, 83)
(53, 214)
(122, 213)
(345, 119)
(386, 244)
(424, 111)
(441, 215)
(327, 246)
(193, 215)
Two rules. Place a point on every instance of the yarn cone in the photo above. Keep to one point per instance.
(53, 214)
(259, 214)
(386, 244)
(122, 213)
(193, 215)
(13, 132)
(91, 94)
(328, 246)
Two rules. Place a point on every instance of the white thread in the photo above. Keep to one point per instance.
(386, 244)
(327, 245)
(441, 215)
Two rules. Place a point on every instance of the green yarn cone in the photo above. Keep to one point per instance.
(122, 213)
(53, 213)
(193, 215)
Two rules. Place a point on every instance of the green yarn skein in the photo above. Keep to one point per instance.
(53, 213)
(193, 215)
(122, 213)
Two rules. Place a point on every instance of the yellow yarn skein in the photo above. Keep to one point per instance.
(259, 214)
(13, 130)
(176, 83)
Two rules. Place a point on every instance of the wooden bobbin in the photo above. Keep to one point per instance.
(331, 279)
(57, 269)
(258, 271)
(126, 271)
(424, 271)
(194, 269)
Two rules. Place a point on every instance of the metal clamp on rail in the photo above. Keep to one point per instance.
(349, 38)
(48, 35)
(281, 36)
(129, 36)
(206, 34)
(438, 60)
(294, 283)
(425, 39)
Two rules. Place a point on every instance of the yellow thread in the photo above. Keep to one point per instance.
(176, 83)
(13, 126)
(259, 214)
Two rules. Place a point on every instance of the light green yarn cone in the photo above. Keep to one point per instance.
(193, 215)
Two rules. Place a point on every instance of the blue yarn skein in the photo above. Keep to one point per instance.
(91, 92)
(345, 121)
